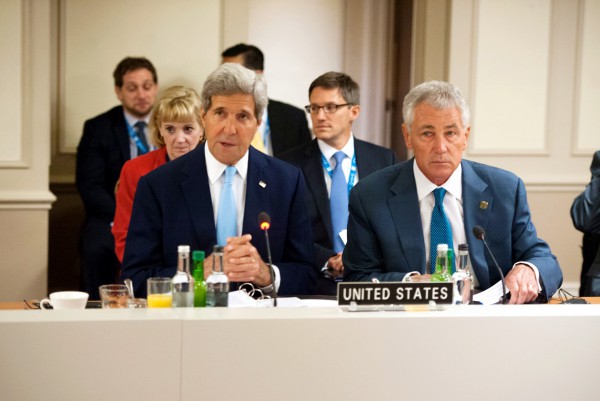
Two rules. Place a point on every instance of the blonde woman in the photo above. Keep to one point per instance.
(175, 129)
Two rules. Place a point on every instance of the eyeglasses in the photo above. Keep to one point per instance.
(328, 108)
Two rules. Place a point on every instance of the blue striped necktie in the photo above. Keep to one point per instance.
(227, 214)
(441, 232)
(338, 202)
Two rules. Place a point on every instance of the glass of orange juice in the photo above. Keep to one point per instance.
(159, 292)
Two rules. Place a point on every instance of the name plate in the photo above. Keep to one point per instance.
(396, 293)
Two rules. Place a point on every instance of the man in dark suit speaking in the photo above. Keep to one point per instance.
(214, 194)
(392, 212)
(334, 105)
(283, 126)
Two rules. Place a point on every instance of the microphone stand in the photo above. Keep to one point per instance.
(271, 270)
(480, 234)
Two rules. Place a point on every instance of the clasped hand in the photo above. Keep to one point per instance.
(241, 262)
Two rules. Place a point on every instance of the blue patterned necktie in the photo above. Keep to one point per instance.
(441, 232)
(227, 214)
(139, 130)
(338, 202)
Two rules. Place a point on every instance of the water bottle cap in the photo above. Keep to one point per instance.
(463, 247)
(183, 248)
(198, 255)
(442, 247)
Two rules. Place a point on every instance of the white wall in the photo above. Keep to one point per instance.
(24, 143)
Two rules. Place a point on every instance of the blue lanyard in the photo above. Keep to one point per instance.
(133, 135)
(266, 133)
(352, 175)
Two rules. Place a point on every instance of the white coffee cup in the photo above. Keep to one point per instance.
(66, 300)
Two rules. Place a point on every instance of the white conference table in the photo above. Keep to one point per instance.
(548, 352)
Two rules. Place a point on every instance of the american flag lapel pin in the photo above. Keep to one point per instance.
(262, 184)
(483, 205)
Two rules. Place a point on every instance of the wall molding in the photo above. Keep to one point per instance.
(22, 160)
(538, 187)
(26, 200)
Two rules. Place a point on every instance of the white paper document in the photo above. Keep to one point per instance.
(492, 295)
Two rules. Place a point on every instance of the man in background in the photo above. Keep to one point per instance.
(400, 214)
(334, 105)
(108, 141)
(283, 126)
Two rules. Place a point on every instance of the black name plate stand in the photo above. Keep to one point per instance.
(393, 293)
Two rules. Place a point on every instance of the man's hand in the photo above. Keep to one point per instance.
(243, 262)
(420, 278)
(522, 284)
(335, 265)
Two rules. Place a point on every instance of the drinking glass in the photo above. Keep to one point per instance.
(114, 296)
(159, 292)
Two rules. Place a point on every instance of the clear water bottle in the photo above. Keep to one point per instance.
(183, 282)
(462, 279)
(217, 283)
(441, 265)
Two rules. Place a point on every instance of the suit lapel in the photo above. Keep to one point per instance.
(477, 208)
(408, 224)
(196, 192)
(315, 181)
(258, 185)
(121, 134)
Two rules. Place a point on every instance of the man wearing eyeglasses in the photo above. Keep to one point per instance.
(332, 164)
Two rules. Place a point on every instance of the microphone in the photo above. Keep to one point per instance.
(479, 233)
(264, 222)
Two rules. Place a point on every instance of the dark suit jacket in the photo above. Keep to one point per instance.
(385, 235)
(102, 151)
(173, 206)
(369, 158)
(289, 127)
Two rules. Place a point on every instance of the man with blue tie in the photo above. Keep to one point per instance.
(399, 214)
(215, 193)
(108, 141)
(332, 164)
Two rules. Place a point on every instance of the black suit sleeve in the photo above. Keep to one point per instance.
(93, 173)
(585, 211)
(289, 127)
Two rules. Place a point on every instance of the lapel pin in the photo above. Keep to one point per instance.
(483, 205)
(262, 184)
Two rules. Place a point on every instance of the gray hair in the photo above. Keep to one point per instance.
(231, 79)
(440, 95)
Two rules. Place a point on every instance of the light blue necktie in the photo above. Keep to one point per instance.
(139, 130)
(227, 214)
(441, 232)
(338, 202)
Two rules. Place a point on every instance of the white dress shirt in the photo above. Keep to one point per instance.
(216, 179)
(452, 206)
(329, 151)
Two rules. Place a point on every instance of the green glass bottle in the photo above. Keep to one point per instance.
(441, 265)
(199, 283)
